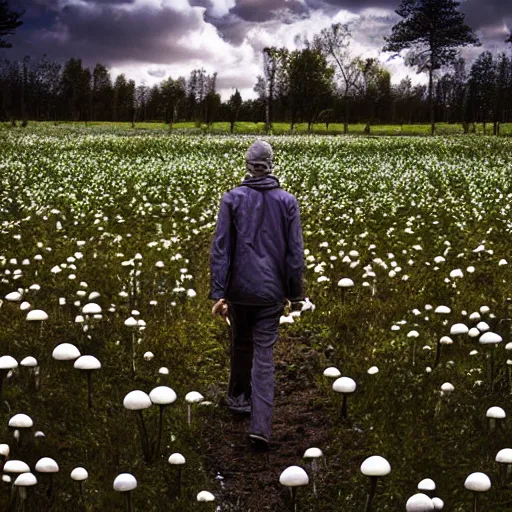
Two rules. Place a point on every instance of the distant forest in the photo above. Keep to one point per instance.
(321, 82)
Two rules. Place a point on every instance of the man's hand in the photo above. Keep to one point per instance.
(292, 306)
(220, 308)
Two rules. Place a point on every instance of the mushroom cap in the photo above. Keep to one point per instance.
(194, 397)
(130, 322)
(47, 465)
(148, 356)
(176, 459)
(8, 363)
(16, 466)
(442, 310)
(4, 450)
(482, 326)
(345, 283)
(427, 484)
(21, 421)
(504, 456)
(413, 334)
(475, 316)
(473, 332)
(446, 340)
(447, 388)
(87, 363)
(293, 476)
(94, 295)
(489, 338)
(456, 273)
(37, 315)
(205, 496)
(419, 503)
(25, 480)
(7, 479)
(477, 482)
(163, 370)
(24, 306)
(13, 297)
(79, 474)
(332, 372)
(344, 385)
(313, 453)
(65, 352)
(373, 370)
(375, 466)
(459, 329)
(91, 309)
(137, 400)
(485, 309)
(496, 412)
(29, 362)
(162, 395)
(438, 503)
(125, 482)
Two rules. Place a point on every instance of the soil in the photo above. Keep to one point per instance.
(248, 480)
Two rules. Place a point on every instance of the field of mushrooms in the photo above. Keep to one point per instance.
(112, 370)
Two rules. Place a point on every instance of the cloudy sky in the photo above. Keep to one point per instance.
(149, 40)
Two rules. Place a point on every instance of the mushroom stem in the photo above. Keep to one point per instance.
(491, 368)
(438, 353)
(313, 474)
(23, 498)
(414, 352)
(344, 414)
(89, 388)
(3, 373)
(144, 435)
(160, 426)
(188, 415)
(475, 502)
(293, 492)
(133, 354)
(343, 291)
(129, 502)
(178, 480)
(492, 424)
(49, 491)
(373, 488)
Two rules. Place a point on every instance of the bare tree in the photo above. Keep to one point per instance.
(334, 43)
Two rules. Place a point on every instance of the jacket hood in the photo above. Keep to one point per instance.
(267, 182)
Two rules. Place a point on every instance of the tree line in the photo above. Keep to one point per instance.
(319, 82)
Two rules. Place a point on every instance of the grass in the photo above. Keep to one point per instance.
(250, 128)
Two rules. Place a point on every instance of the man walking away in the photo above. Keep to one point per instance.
(257, 264)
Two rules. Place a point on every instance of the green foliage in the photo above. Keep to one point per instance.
(398, 202)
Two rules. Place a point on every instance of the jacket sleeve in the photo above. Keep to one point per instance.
(294, 255)
(220, 251)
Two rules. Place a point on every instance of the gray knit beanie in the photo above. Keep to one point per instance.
(258, 159)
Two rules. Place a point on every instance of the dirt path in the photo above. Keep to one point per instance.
(249, 481)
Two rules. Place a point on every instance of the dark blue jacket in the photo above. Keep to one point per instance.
(257, 253)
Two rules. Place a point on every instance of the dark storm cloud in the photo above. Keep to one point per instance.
(102, 31)
(489, 17)
(359, 5)
(265, 10)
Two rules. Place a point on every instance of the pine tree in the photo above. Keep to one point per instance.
(431, 31)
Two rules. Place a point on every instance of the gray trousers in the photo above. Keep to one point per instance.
(254, 331)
